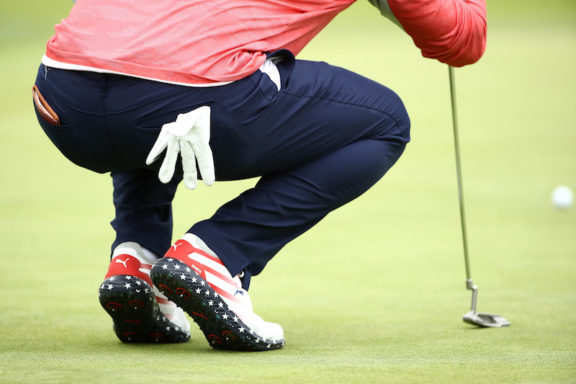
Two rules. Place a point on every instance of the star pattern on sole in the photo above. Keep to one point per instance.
(220, 325)
(137, 318)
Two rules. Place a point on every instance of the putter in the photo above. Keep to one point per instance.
(484, 320)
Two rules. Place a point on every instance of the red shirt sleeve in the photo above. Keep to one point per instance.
(451, 31)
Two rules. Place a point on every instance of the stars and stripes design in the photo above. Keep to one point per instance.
(139, 311)
(201, 285)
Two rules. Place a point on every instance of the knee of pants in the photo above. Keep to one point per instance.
(404, 124)
(397, 111)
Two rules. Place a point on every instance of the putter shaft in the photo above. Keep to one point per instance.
(472, 317)
(459, 176)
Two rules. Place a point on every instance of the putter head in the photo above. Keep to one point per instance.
(485, 320)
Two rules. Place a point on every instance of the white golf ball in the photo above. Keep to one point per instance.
(562, 197)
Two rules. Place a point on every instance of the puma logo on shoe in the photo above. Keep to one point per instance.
(123, 262)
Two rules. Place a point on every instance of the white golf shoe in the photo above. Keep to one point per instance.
(192, 276)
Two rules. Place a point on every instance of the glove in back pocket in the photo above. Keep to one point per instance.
(43, 108)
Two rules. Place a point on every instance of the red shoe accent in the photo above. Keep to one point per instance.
(202, 315)
(113, 306)
(229, 335)
(180, 251)
(165, 288)
(129, 335)
(128, 265)
(161, 300)
(157, 336)
(215, 338)
(136, 304)
(183, 293)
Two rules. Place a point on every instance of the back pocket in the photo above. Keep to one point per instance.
(43, 108)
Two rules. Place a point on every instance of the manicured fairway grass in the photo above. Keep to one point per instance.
(375, 293)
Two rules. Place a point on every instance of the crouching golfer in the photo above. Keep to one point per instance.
(155, 91)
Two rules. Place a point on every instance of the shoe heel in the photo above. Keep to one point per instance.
(131, 303)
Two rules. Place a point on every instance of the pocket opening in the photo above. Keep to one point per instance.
(44, 108)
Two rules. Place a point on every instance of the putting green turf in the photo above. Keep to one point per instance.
(375, 292)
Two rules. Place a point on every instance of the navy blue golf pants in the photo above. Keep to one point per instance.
(321, 141)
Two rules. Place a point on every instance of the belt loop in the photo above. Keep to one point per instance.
(46, 69)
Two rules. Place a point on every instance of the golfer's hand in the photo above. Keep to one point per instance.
(188, 136)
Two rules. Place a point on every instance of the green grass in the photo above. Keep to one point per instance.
(375, 292)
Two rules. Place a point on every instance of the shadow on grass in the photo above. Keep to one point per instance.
(196, 347)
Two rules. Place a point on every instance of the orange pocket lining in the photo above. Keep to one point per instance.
(44, 108)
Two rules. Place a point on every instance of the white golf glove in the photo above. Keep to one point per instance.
(188, 136)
